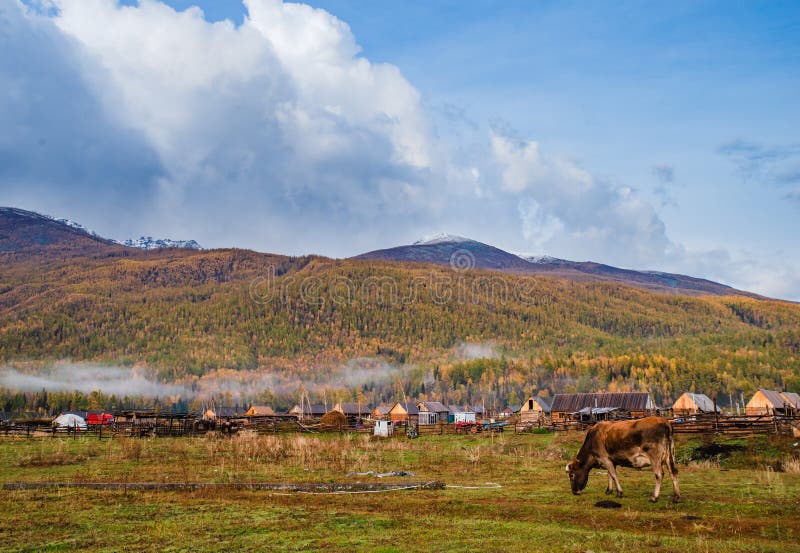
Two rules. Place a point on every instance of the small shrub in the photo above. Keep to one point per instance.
(131, 448)
(791, 466)
(703, 464)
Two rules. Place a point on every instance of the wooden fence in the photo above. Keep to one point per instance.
(734, 425)
(743, 425)
(178, 426)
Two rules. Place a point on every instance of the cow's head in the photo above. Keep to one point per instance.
(578, 476)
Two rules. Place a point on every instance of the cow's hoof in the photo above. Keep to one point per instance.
(619, 494)
(609, 491)
(653, 499)
(676, 499)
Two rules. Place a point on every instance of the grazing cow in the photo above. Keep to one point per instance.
(634, 443)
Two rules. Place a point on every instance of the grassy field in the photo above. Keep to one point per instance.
(737, 496)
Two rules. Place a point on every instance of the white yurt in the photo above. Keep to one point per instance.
(69, 420)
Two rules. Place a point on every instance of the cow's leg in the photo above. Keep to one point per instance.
(610, 487)
(659, 474)
(673, 472)
(612, 474)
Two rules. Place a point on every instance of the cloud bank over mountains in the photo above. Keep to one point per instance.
(278, 135)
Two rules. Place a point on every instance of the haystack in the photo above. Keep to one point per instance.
(334, 419)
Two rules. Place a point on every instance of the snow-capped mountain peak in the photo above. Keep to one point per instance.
(77, 226)
(539, 259)
(143, 242)
(440, 238)
(150, 243)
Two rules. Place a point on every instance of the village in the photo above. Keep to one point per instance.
(767, 412)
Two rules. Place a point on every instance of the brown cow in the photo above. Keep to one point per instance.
(634, 443)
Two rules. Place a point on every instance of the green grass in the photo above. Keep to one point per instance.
(739, 507)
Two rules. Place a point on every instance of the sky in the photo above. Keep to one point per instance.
(649, 136)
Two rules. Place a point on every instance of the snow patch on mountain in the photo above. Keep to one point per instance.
(143, 242)
(77, 226)
(441, 238)
(540, 259)
(150, 243)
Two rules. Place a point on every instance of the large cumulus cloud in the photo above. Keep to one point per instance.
(276, 127)
(57, 144)
(564, 207)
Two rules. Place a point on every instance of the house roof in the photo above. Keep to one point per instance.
(410, 407)
(792, 398)
(542, 403)
(383, 408)
(597, 411)
(702, 401)
(260, 410)
(453, 409)
(477, 409)
(350, 408)
(432, 407)
(629, 401)
(775, 398)
(513, 408)
(315, 409)
(226, 411)
(779, 399)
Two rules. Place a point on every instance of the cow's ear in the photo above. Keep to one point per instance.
(566, 469)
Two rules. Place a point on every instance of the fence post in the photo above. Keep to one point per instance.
(716, 415)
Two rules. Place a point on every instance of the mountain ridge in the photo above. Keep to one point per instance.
(28, 233)
(23, 231)
(450, 250)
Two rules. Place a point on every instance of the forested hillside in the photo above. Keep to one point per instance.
(186, 313)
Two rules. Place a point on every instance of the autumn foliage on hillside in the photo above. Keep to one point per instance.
(186, 313)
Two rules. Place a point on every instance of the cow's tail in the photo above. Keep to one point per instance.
(673, 468)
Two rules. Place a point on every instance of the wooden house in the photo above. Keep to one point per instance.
(404, 412)
(693, 404)
(432, 412)
(313, 411)
(381, 412)
(482, 412)
(260, 411)
(636, 404)
(354, 411)
(509, 411)
(214, 413)
(460, 413)
(793, 400)
(534, 409)
(770, 402)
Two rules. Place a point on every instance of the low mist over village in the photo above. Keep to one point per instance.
(394, 277)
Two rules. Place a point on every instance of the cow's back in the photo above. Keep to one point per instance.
(619, 436)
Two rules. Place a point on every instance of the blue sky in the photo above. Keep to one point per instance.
(660, 136)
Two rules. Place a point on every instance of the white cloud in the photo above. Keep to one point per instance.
(565, 209)
(275, 122)
(141, 381)
(278, 134)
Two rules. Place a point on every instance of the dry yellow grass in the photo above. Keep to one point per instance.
(737, 509)
(792, 466)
